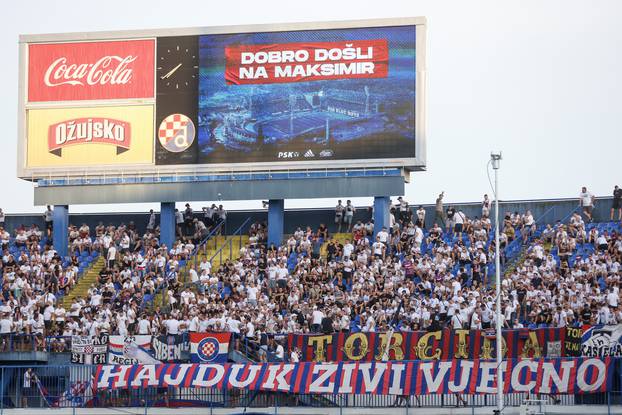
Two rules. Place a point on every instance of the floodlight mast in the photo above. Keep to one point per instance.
(495, 159)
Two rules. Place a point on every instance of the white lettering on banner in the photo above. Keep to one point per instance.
(181, 375)
(599, 366)
(164, 351)
(102, 72)
(346, 377)
(430, 377)
(276, 373)
(371, 383)
(88, 130)
(398, 370)
(146, 372)
(550, 375)
(325, 371)
(488, 376)
(200, 380)
(253, 73)
(434, 381)
(250, 378)
(347, 53)
(532, 367)
(276, 56)
(302, 55)
(309, 70)
(118, 377)
(466, 366)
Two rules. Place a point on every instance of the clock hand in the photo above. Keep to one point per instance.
(171, 72)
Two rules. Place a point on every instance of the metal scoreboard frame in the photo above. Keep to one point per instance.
(416, 163)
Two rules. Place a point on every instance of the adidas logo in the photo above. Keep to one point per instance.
(309, 153)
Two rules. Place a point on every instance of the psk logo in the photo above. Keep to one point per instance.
(176, 133)
(207, 349)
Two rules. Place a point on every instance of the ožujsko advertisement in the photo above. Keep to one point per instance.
(96, 136)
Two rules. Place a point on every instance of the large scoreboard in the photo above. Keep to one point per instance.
(332, 95)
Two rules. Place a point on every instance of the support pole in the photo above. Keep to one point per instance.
(167, 223)
(276, 219)
(381, 214)
(60, 222)
(496, 158)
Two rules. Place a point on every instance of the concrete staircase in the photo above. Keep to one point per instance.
(213, 246)
(84, 283)
(229, 251)
(523, 256)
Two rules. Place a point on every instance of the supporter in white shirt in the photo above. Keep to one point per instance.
(383, 236)
(586, 200)
(378, 248)
(6, 324)
(348, 248)
(144, 325)
(172, 326)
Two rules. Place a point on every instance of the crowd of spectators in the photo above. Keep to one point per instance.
(433, 273)
(35, 278)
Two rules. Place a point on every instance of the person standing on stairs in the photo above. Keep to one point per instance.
(339, 209)
(48, 216)
(221, 214)
(152, 221)
(179, 221)
(111, 256)
(439, 212)
(586, 201)
(188, 220)
(350, 210)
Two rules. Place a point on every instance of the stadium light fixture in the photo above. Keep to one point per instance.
(495, 160)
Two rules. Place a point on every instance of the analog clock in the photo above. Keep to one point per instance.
(178, 68)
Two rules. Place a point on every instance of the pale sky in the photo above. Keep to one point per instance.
(539, 80)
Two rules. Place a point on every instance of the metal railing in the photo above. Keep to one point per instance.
(99, 178)
(229, 241)
(20, 343)
(204, 244)
(514, 250)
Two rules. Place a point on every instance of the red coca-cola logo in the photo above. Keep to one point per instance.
(91, 70)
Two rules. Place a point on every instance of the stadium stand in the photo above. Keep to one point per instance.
(314, 282)
(419, 274)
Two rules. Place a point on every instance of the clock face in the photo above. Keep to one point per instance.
(178, 68)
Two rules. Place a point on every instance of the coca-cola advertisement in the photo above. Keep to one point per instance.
(91, 70)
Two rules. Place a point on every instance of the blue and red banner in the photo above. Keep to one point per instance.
(546, 376)
(430, 345)
(209, 347)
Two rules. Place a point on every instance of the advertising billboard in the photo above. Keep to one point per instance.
(90, 70)
(64, 137)
(307, 95)
(328, 95)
